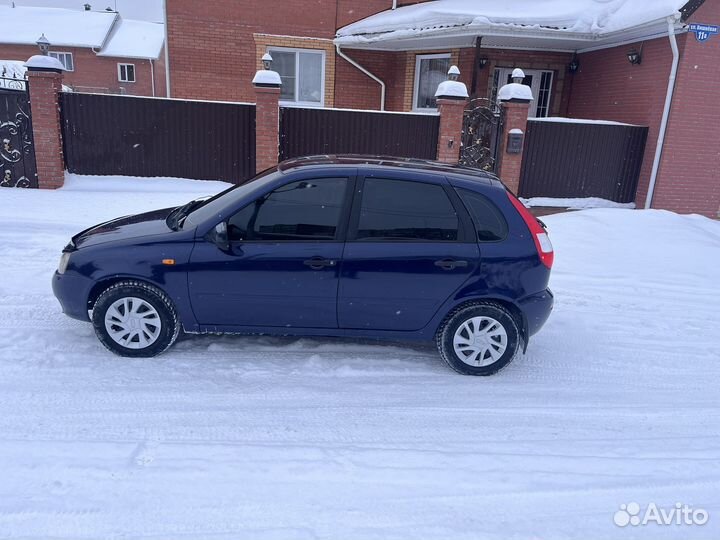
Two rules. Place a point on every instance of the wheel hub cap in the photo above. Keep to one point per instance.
(480, 341)
(133, 323)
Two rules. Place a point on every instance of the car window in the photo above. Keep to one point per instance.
(489, 221)
(404, 210)
(304, 210)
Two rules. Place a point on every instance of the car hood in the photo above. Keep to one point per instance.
(124, 228)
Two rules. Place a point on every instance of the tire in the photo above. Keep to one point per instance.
(150, 329)
(498, 338)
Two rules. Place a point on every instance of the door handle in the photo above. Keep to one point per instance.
(318, 263)
(451, 264)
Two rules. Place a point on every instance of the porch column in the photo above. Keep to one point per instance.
(267, 116)
(515, 100)
(44, 81)
(452, 97)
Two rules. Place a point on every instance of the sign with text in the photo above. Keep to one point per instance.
(703, 32)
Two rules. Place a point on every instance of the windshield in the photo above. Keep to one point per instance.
(215, 207)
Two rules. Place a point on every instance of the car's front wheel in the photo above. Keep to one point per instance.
(479, 339)
(132, 318)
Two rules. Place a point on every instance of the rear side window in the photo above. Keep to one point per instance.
(406, 211)
(489, 221)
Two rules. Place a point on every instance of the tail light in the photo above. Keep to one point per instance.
(537, 231)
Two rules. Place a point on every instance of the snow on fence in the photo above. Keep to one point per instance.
(307, 131)
(568, 158)
(121, 135)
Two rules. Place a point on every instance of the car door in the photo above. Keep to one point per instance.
(408, 250)
(281, 269)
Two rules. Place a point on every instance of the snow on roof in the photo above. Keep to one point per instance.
(135, 39)
(63, 27)
(142, 10)
(591, 18)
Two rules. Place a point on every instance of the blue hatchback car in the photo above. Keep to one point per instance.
(323, 246)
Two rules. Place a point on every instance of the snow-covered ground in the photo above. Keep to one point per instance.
(615, 402)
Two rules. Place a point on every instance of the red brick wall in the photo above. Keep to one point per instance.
(608, 87)
(688, 181)
(212, 49)
(44, 89)
(355, 90)
(92, 71)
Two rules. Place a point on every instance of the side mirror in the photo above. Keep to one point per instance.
(219, 236)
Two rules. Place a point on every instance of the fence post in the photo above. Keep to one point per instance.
(452, 97)
(44, 86)
(267, 115)
(515, 99)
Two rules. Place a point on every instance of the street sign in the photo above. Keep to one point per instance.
(703, 32)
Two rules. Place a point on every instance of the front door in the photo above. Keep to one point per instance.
(282, 267)
(541, 84)
(405, 256)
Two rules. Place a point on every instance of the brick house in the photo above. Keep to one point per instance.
(101, 51)
(367, 55)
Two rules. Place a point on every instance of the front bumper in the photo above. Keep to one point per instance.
(537, 308)
(72, 291)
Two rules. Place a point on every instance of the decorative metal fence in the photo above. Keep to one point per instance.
(341, 131)
(17, 153)
(123, 135)
(567, 159)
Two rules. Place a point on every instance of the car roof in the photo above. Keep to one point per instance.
(420, 165)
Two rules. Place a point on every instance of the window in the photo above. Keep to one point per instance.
(306, 210)
(66, 59)
(539, 81)
(430, 71)
(489, 222)
(302, 75)
(400, 210)
(126, 72)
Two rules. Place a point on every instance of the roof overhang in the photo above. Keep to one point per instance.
(508, 37)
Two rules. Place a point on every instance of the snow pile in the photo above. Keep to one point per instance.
(562, 120)
(233, 437)
(267, 77)
(575, 203)
(454, 89)
(515, 91)
(583, 17)
(40, 61)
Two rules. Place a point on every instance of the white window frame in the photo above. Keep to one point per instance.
(504, 72)
(297, 50)
(416, 84)
(66, 53)
(119, 68)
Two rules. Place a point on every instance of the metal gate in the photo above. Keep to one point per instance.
(482, 126)
(17, 153)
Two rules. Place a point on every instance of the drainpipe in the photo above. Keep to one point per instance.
(666, 112)
(394, 4)
(167, 52)
(366, 72)
(152, 75)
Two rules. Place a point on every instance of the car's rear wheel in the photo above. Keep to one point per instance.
(132, 318)
(479, 339)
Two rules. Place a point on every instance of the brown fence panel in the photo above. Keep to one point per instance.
(566, 160)
(125, 135)
(332, 131)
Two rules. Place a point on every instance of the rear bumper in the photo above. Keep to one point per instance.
(72, 292)
(537, 308)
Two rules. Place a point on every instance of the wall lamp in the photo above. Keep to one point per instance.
(574, 64)
(482, 62)
(635, 57)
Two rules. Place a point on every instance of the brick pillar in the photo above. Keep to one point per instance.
(451, 124)
(267, 125)
(45, 85)
(509, 166)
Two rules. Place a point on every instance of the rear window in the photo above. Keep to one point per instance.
(489, 221)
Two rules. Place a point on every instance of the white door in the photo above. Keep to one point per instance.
(541, 84)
